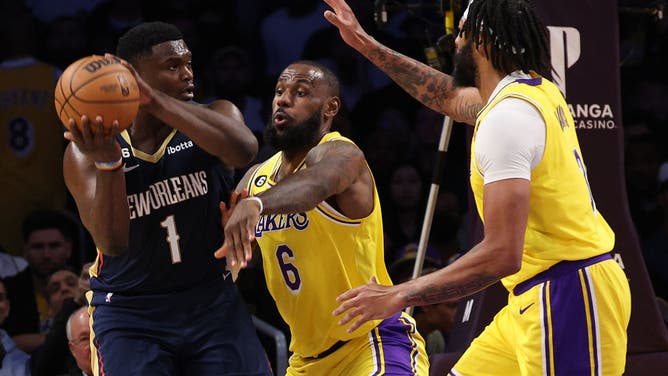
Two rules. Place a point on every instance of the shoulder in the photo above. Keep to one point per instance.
(334, 148)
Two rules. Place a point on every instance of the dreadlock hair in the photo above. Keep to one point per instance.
(138, 41)
(512, 34)
(329, 76)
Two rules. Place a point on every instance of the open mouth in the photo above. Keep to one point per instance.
(280, 119)
(189, 92)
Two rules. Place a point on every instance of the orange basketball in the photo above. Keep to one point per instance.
(97, 86)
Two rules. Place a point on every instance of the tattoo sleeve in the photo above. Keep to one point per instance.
(431, 87)
(438, 293)
(333, 167)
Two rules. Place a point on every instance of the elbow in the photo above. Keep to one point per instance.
(504, 260)
(247, 151)
(509, 264)
(113, 244)
(114, 250)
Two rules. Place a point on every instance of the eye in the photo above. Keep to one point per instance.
(301, 93)
(279, 91)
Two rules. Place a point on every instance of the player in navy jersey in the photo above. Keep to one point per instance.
(160, 303)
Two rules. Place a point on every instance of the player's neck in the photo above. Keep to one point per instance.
(148, 133)
(289, 162)
(489, 79)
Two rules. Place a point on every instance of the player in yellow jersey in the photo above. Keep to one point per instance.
(569, 302)
(315, 214)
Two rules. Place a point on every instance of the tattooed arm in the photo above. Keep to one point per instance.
(499, 254)
(433, 88)
(336, 171)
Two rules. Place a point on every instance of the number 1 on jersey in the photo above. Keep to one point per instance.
(172, 238)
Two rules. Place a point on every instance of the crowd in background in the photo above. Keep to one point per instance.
(239, 47)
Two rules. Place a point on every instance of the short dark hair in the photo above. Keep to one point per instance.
(138, 41)
(330, 77)
(46, 220)
(514, 33)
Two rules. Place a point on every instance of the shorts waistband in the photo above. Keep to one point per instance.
(330, 350)
(557, 270)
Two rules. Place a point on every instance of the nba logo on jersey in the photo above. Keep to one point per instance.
(260, 180)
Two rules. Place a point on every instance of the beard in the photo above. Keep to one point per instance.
(294, 136)
(465, 72)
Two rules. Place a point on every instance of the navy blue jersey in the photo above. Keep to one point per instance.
(175, 226)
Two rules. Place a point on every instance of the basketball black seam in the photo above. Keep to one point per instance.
(67, 100)
(95, 78)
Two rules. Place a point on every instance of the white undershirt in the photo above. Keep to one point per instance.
(510, 140)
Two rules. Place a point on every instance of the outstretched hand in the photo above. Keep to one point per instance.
(344, 19)
(226, 212)
(239, 227)
(369, 302)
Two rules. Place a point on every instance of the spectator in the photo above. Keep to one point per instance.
(13, 362)
(48, 245)
(11, 265)
(78, 337)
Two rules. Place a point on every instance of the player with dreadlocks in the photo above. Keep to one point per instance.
(569, 302)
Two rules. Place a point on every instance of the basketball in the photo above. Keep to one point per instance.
(97, 86)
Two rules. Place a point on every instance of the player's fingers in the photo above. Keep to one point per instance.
(114, 129)
(347, 295)
(237, 251)
(221, 252)
(98, 126)
(356, 324)
(332, 18)
(346, 304)
(223, 208)
(73, 129)
(332, 4)
(234, 197)
(350, 313)
(86, 133)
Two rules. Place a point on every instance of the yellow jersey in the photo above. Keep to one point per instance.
(310, 258)
(563, 222)
(32, 146)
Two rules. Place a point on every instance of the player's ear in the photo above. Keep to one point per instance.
(332, 106)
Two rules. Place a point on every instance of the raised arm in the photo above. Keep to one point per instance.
(100, 195)
(218, 128)
(433, 88)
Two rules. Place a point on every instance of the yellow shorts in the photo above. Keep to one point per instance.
(569, 321)
(392, 348)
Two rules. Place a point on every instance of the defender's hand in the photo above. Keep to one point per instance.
(240, 233)
(369, 302)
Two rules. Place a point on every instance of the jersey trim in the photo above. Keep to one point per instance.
(152, 158)
(330, 213)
